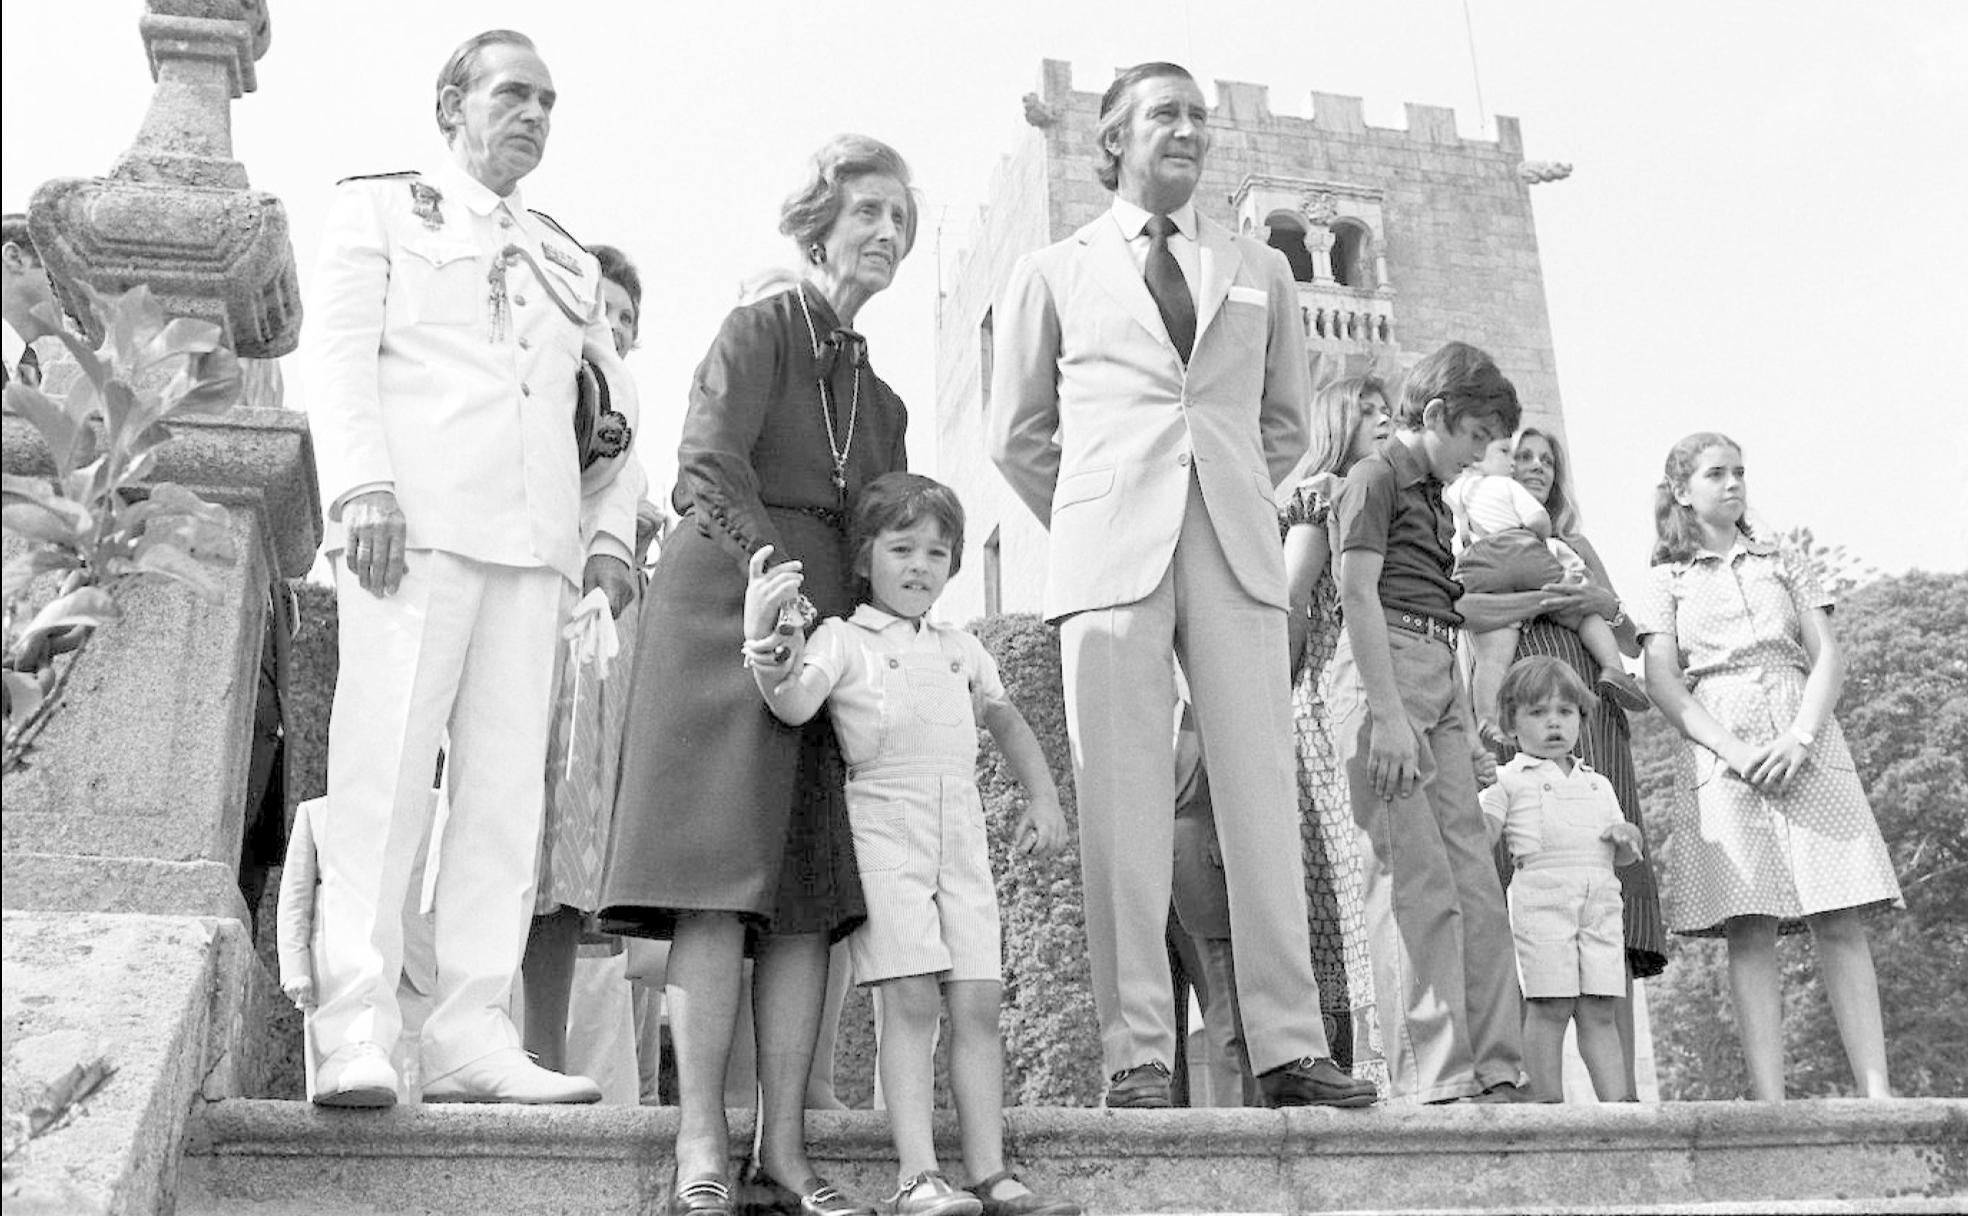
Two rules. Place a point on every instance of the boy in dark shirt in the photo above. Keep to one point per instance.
(1444, 979)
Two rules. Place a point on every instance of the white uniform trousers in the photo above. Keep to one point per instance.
(1119, 666)
(464, 649)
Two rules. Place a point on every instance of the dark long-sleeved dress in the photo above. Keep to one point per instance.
(721, 806)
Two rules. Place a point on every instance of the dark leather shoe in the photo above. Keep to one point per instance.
(1143, 1087)
(1311, 1082)
(816, 1197)
(1500, 1093)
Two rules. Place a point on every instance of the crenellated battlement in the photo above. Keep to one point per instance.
(1334, 115)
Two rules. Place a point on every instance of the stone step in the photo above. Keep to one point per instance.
(277, 1158)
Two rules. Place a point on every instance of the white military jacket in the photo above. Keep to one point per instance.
(442, 368)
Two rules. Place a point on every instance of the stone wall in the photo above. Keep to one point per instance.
(1019, 216)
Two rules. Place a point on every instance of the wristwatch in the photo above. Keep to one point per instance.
(1803, 736)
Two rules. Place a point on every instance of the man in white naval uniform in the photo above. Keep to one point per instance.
(447, 323)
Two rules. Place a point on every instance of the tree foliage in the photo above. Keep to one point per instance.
(1905, 715)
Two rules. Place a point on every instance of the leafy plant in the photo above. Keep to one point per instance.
(93, 522)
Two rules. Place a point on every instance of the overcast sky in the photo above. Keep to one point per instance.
(1762, 235)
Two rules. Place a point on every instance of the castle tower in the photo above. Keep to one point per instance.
(1400, 239)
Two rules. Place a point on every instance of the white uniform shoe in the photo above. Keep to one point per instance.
(509, 1075)
(356, 1075)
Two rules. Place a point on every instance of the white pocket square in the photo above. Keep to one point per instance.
(1250, 295)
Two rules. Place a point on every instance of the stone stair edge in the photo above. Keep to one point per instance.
(272, 1127)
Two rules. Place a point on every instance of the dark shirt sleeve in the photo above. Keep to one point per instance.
(1365, 508)
(729, 399)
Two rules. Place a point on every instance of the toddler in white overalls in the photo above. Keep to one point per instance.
(1563, 827)
(906, 695)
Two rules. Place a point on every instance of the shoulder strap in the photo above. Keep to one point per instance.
(378, 177)
(554, 224)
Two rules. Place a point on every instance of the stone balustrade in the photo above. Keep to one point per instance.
(1345, 318)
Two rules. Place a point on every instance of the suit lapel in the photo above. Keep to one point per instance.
(1112, 266)
(1220, 259)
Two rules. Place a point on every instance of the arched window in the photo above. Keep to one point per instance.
(1288, 238)
(1350, 263)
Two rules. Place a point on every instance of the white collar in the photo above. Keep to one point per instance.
(1133, 218)
(11, 345)
(874, 620)
(1525, 762)
(476, 196)
(1743, 544)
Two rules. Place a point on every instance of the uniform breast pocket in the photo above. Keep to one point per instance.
(441, 283)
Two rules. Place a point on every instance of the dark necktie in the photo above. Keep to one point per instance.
(29, 368)
(1170, 289)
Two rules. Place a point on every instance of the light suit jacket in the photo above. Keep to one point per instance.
(1096, 423)
(424, 382)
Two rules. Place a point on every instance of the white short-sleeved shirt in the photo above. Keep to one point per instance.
(1547, 811)
(850, 652)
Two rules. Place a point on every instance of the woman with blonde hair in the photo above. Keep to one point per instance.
(1349, 417)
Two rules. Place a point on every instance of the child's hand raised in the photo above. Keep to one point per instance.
(1041, 830)
(768, 592)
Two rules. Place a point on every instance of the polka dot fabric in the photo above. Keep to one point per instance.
(1736, 621)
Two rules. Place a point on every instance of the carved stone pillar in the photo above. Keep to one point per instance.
(176, 212)
(135, 800)
(1320, 242)
(1319, 211)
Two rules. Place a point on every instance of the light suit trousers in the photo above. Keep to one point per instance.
(1120, 701)
(464, 650)
(1444, 962)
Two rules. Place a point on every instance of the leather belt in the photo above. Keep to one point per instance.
(1423, 624)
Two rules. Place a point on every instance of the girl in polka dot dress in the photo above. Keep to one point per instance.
(1772, 831)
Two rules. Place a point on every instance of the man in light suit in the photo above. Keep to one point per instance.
(448, 323)
(1150, 392)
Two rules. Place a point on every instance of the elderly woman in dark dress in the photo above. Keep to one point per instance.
(1604, 740)
(731, 833)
